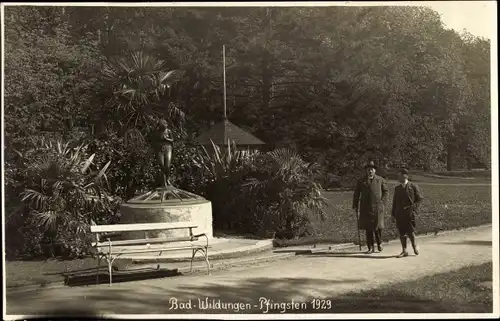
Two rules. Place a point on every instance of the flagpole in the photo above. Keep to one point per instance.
(224, 73)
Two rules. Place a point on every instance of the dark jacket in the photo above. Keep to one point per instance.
(406, 201)
(371, 199)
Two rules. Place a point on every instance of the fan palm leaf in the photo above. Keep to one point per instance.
(139, 84)
(174, 112)
(171, 77)
(47, 219)
(63, 188)
(78, 226)
(35, 198)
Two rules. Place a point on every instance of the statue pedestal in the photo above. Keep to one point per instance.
(168, 205)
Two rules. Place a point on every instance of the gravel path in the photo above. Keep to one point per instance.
(301, 278)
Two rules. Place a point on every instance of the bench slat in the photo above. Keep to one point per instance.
(144, 241)
(140, 227)
(156, 250)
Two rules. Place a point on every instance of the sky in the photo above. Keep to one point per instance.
(477, 17)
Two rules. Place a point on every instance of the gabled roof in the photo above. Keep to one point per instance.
(221, 132)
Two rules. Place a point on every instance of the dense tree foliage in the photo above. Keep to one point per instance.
(336, 84)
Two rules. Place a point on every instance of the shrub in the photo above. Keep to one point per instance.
(223, 170)
(187, 173)
(64, 193)
(284, 183)
(21, 232)
(264, 194)
(134, 167)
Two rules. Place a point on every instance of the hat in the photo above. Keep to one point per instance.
(404, 171)
(370, 164)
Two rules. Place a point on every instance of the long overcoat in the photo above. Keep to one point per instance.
(406, 203)
(370, 199)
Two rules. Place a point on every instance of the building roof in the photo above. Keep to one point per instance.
(221, 132)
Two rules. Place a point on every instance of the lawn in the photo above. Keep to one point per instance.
(468, 290)
(457, 177)
(473, 173)
(442, 179)
(445, 207)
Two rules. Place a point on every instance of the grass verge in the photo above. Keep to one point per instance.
(475, 173)
(468, 290)
(458, 177)
(42, 273)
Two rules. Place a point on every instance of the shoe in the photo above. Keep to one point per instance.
(380, 248)
(403, 254)
(416, 251)
(370, 251)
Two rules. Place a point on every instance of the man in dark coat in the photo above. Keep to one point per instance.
(405, 205)
(370, 197)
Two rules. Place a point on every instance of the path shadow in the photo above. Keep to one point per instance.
(85, 278)
(346, 254)
(357, 255)
(296, 251)
(72, 314)
(80, 271)
(255, 293)
(470, 242)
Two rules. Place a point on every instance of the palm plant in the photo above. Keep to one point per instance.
(221, 163)
(225, 168)
(287, 182)
(141, 87)
(64, 191)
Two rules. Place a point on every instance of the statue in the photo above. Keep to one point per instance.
(163, 146)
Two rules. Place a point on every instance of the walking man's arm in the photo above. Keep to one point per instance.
(385, 191)
(418, 196)
(393, 210)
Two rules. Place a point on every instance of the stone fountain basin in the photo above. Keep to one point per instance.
(198, 212)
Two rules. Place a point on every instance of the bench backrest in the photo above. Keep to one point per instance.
(140, 227)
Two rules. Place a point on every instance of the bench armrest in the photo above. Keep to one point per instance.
(110, 234)
(198, 235)
(202, 234)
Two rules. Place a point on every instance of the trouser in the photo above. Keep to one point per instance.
(370, 237)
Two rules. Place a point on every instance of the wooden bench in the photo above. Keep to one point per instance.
(106, 248)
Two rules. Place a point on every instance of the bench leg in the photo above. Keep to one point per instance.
(205, 253)
(192, 258)
(110, 271)
(158, 265)
(98, 268)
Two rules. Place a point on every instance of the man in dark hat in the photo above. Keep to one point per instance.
(370, 197)
(405, 205)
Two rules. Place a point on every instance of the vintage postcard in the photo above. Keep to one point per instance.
(241, 160)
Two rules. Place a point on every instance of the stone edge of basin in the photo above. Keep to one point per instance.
(259, 246)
